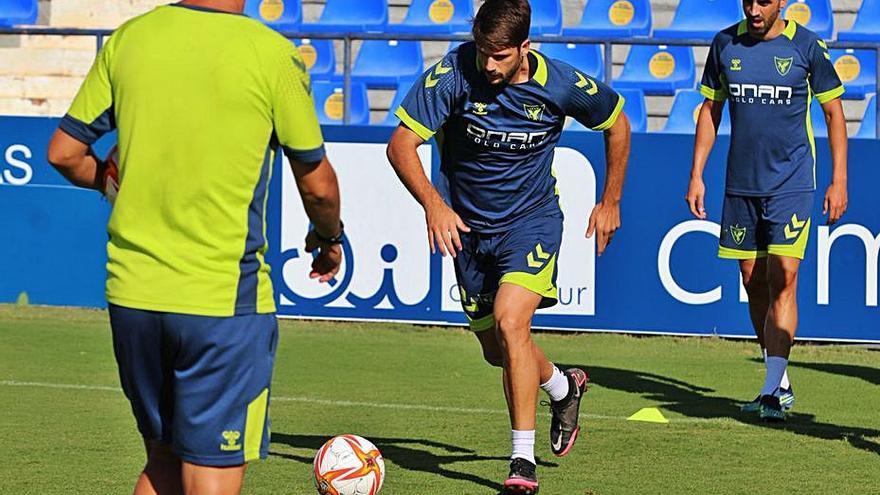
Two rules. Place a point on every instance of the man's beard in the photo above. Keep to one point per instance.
(505, 78)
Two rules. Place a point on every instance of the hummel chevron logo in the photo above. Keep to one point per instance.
(793, 230)
(439, 70)
(540, 254)
(583, 82)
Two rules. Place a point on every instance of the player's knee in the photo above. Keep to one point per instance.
(784, 280)
(512, 329)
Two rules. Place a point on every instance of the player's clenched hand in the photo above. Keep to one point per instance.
(604, 221)
(695, 196)
(443, 227)
(835, 202)
(325, 266)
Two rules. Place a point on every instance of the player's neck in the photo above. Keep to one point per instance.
(232, 6)
(774, 32)
(523, 74)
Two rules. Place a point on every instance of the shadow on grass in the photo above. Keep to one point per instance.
(866, 373)
(693, 401)
(410, 454)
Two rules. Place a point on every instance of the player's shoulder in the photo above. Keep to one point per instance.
(802, 37)
(561, 77)
(727, 35)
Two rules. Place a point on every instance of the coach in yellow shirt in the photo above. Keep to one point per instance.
(202, 98)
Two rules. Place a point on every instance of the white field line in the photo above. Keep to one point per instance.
(376, 405)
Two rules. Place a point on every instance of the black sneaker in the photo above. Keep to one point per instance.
(522, 479)
(564, 427)
(771, 409)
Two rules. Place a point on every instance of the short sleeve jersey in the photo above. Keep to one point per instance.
(770, 86)
(497, 142)
(201, 99)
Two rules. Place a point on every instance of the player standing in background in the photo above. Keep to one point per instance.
(497, 109)
(770, 70)
(202, 98)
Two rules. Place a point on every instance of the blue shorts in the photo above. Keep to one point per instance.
(524, 255)
(199, 383)
(753, 227)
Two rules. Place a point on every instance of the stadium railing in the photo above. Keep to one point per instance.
(348, 39)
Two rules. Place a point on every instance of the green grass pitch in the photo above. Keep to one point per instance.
(436, 411)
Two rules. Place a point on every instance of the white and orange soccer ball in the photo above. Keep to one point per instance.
(349, 465)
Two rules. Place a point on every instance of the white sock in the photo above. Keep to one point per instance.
(775, 370)
(523, 444)
(784, 383)
(557, 386)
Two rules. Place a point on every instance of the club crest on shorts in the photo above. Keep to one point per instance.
(783, 65)
(738, 233)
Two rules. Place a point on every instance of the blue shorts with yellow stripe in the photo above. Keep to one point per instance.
(525, 255)
(753, 227)
(198, 383)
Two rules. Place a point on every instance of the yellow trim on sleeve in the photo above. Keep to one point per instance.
(830, 94)
(413, 124)
(612, 119)
(713, 94)
(739, 254)
(255, 425)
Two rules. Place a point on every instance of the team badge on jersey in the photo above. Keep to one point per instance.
(738, 233)
(534, 112)
(783, 65)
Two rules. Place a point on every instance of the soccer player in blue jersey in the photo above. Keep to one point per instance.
(770, 71)
(202, 97)
(497, 109)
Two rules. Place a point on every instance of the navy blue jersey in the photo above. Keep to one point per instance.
(770, 86)
(497, 142)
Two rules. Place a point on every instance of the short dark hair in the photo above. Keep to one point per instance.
(501, 24)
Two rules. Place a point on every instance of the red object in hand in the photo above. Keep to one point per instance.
(111, 175)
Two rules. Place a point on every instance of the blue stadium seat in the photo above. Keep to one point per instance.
(701, 19)
(18, 12)
(403, 88)
(857, 70)
(621, 18)
(587, 58)
(384, 63)
(815, 15)
(658, 70)
(685, 110)
(634, 107)
(546, 17)
(351, 16)
(319, 57)
(328, 97)
(868, 129)
(436, 17)
(281, 15)
(867, 25)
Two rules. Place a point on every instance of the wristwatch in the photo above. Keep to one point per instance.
(337, 239)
